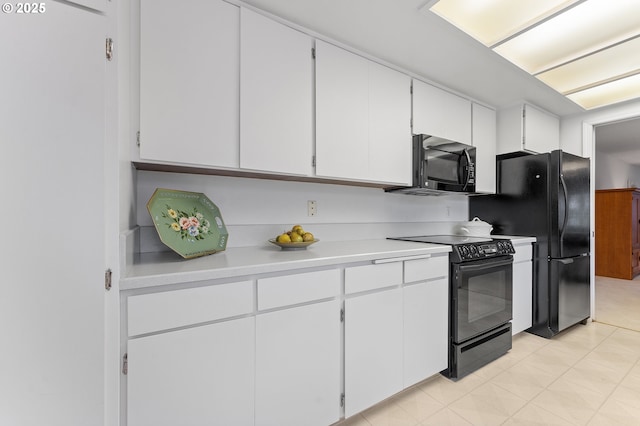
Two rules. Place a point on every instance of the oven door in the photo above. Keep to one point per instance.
(481, 293)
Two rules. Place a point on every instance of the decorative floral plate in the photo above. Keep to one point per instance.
(293, 246)
(188, 223)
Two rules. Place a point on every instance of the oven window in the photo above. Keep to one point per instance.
(483, 297)
(486, 295)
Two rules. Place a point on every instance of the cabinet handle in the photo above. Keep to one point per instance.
(401, 259)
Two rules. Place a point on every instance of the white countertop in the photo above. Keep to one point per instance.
(163, 268)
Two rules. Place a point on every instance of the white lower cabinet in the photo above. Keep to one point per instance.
(373, 348)
(522, 289)
(298, 357)
(425, 329)
(285, 349)
(196, 376)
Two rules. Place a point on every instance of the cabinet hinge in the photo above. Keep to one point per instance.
(109, 48)
(313, 161)
(107, 279)
(342, 400)
(342, 315)
(313, 52)
(138, 138)
(125, 364)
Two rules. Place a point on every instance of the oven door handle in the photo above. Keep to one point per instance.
(486, 265)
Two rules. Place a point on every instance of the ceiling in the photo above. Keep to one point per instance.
(425, 44)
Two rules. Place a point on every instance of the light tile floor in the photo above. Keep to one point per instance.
(587, 375)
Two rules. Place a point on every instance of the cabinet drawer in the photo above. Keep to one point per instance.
(299, 288)
(523, 253)
(424, 269)
(371, 277)
(160, 311)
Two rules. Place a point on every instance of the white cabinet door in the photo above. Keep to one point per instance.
(437, 112)
(276, 102)
(522, 289)
(52, 168)
(390, 151)
(425, 330)
(526, 128)
(342, 116)
(373, 349)
(484, 140)
(541, 130)
(189, 82)
(196, 376)
(298, 358)
(363, 114)
(522, 297)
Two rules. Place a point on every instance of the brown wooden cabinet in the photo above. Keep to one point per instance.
(618, 233)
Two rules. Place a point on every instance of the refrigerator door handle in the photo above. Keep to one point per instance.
(564, 207)
(565, 261)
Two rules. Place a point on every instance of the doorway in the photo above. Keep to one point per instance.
(616, 138)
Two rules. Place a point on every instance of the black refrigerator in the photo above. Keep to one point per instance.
(546, 196)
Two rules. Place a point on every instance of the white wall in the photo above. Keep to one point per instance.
(612, 172)
(571, 134)
(257, 209)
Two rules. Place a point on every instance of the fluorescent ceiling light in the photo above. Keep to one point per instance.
(616, 91)
(572, 46)
(491, 21)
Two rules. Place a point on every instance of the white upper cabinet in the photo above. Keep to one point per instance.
(437, 112)
(276, 96)
(342, 98)
(484, 140)
(527, 128)
(189, 82)
(389, 125)
(362, 118)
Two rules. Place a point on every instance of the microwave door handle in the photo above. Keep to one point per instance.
(467, 173)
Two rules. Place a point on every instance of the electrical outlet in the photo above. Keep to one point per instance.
(312, 208)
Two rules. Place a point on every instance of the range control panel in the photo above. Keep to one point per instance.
(475, 251)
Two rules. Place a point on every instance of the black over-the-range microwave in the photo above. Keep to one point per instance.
(440, 166)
